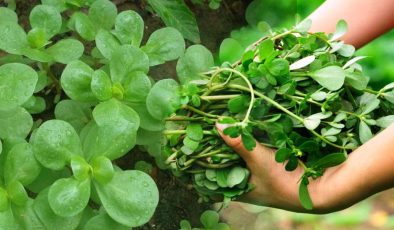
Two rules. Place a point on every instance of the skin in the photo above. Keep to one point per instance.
(368, 170)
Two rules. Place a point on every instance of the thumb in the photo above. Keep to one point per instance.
(254, 156)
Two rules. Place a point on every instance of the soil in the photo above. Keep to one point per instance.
(177, 200)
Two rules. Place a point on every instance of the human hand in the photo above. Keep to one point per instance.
(276, 187)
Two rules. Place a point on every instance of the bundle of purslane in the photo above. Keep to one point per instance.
(298, 92)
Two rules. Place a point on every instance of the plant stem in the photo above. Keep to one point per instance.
(247, 115)
(183, 131)
(215, 166)
(188, 107)
(219, 97)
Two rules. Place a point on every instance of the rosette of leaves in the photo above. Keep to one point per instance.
(298, 92)
(57, 170)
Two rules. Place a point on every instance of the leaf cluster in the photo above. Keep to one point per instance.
(73, 99)
(298, 92)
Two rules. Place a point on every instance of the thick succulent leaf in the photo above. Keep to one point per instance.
(76, 79)
(129, 28)
(48, 218)
(127, 59)
(114, 132)
(17, 84)
(163, 45)
(54, 143)
(15, 123)
(68, 197)
(175, 13)
(21, 165)
(130, 198)
(66, 50)
(196, 60)
(163, 99)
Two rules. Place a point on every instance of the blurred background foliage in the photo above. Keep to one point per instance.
(379, 65)
(376, 212)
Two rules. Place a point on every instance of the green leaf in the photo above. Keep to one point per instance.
(54, 143)
(35, 105)
(47, 18)
(195, 132)
(175, 13)
(37, 55)
(209, 219)
(163, 45)
(364, 132)
(248, 141)
(103, 222)
(103, 14)
(196, 60)
(69, 197)
(17, 193)
(21, 165)
(106, 43)
(278, 67)
(76, 80)
(13, 38)
(48, 218)
(329, 160)
(346, 50)
(331, 77)
(130, 198)
(66, 50)
(103, 170)
(129, 28)
(84, 26)
(80, 168)
(282, 155)
(221, 177)
(232, 131)
(368, 103)
(266, 48)
(17, 83)
(383, 122)
(8, 15)
(7, 220)
(75, 113)
(238, 104)
(101, 85)
(304, 26)
(114, 133)
(163, 99)
(37, 38)
(136, 87)
(235, 176)
(357, 80)
(303, 193)
(230, 50)
(299, 64)
(148, 122)
(15, 123)
(190, 144)
(127, 59)
(341, 29)
(292, 164)
(4, 202)
(60, 5)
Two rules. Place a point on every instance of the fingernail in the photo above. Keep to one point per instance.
(221, 127)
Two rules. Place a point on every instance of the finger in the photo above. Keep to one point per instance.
(254, 156)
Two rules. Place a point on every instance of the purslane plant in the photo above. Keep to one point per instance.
(56, 169)
(301, 93)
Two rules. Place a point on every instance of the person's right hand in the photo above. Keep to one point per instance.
(362, 175)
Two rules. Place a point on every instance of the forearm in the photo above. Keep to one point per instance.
(367, 19)
(368, 170)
